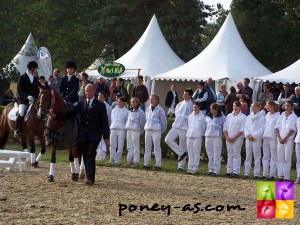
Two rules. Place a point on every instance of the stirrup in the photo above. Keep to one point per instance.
(16, 133)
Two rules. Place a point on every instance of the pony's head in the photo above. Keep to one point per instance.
(45, 100)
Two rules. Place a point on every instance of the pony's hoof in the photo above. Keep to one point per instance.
(50, 179)
(82, 174)
(75, 177)
(34, 165)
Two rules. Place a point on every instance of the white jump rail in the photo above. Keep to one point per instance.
(14, 159)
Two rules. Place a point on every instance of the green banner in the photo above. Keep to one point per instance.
(111, 69)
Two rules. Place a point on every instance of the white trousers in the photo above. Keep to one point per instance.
(133, 146)
(284, 152)
(22, 110)
(213, 147)
(171, 110)
(117, 138)
(253, 148)
(297, 149)
(173, 134)
(194, 151)
(269, 159)
(234, 156)
(152, 137)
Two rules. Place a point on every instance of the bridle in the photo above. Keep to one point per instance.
(51, 103)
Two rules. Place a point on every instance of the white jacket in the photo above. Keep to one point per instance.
(136, 120)
(285, 124)
(182, 111)
(214, 126)
(197, 126)
(108, 111)
(119, 118)
(156, 119)
(297, 138)
(234, 124)
(255, 125)
(270, 123)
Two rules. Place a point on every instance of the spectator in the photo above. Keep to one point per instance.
(248, 92)
(239, 86)
(141, 92)
(212, 97)
(266, 94)
(120, 88)
(200, 96)
(296, 101)
(221, 98)
(171, 101)
(112, 87)
(285, 95)
(244, 105)
(56, 79)
(83, 79)
(101, 85)
(230, 99)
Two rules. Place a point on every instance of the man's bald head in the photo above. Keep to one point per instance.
(89, 91)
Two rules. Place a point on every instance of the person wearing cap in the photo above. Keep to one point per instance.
(69, 85)
(4, 86)
(27, 92)
(200, 96)
(285, 95)
(120, 88)
(115, 103)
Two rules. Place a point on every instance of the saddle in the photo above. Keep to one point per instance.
(13, 113)
(66, 137)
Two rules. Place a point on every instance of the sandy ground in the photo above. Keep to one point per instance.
(25, 198)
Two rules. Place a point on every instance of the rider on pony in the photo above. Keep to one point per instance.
(28, 91)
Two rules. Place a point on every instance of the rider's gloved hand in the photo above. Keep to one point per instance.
(30, 98)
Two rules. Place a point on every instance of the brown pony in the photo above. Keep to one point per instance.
(28, 130)
(51, 99)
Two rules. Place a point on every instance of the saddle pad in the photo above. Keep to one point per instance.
(13, 113)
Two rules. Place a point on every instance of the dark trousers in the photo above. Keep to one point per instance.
(89, 152)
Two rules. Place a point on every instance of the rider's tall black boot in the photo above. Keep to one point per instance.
(18, 124)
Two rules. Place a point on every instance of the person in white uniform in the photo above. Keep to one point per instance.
(213, 138)
(156, 124)
(135, 127)
(119, 117)
(254, 129)
(195, 132)
(234, 135)
(180, 127)
(269, 160)
(102, 148)
(297, 150)
(285, 131)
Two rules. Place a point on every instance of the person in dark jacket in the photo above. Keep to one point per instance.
(141, 92)
(27, 91)
(94, 124)
(171, 101)
(69, 85)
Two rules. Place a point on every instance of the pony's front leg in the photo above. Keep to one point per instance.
(34, 164)
(43, 148)
(24, 146)
(51, 176)
(74, 163)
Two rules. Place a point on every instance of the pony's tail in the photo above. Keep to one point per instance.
(4, 129)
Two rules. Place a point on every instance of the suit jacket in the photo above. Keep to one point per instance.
(93, 122)
(169, 99)
(69, 89)
(26, 88)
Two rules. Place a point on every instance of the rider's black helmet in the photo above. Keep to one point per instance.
(32, 64)
(71, 64)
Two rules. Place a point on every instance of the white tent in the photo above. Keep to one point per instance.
(27, 53)
(151, 53)
(289, 74)
(225, 57)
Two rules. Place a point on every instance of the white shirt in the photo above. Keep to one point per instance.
(270, 123)
(255, 125)
(30, 75)
(182, 112)
(285, 124)
(156, 119)
(119, 118)
(297, 138)
(235, 124)
(196, 126)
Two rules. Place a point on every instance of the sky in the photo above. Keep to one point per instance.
(225, 3)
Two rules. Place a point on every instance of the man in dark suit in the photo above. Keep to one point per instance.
(94, 124)
(27, 90)
(69, 85)
(171, 101)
